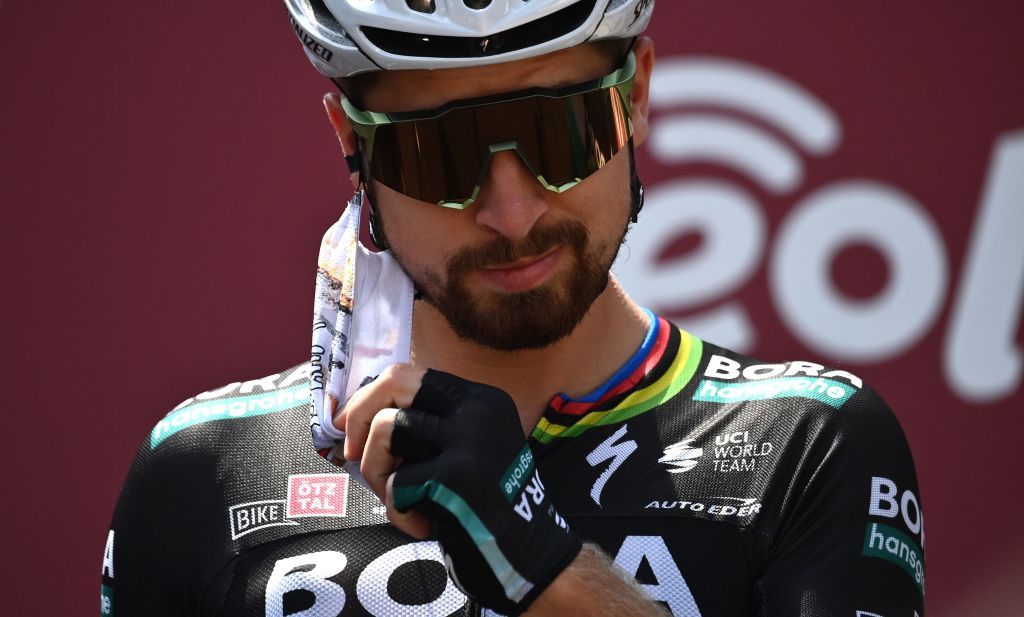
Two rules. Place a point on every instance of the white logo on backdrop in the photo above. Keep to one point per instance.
(760, 124)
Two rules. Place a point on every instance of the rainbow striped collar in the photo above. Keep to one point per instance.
(660, 368)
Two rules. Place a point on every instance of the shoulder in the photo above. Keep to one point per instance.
(842, 495)
(833, 396)
(782, 430)
(207, 432)
(225, 472)
(216, 432)
(220, 412)
(846, 453)
(832, 422)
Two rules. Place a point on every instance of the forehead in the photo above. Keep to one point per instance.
(391, 91)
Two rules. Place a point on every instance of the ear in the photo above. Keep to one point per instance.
(346, 136)
(640, 99)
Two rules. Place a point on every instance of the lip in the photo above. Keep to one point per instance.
(523, 274)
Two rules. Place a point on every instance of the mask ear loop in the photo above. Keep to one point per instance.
(354, 165)
(357, 164)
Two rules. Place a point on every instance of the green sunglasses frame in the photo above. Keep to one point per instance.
(365, 123)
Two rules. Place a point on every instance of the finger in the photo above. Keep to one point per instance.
(410, 522)
(379, 462)
(395, 387)
(416, 435)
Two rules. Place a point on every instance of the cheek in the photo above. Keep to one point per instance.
(401, 216)
(421, 235)
(604, 199)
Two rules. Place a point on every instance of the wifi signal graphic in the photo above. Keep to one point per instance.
(753, 91)
(738, 116)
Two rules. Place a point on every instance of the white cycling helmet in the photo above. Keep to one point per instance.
(346, 37)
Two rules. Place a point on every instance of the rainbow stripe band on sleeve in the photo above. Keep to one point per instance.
(675, 378)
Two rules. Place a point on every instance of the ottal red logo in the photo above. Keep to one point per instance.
(317, 495)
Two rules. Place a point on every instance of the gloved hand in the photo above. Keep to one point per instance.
(468, 469)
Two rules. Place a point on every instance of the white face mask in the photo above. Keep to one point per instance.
(350, 346)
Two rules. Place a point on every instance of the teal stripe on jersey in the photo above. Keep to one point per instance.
(828, 391)
(228, 409)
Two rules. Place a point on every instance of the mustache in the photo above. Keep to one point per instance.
(502, 251)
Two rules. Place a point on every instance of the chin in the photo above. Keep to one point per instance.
(533, 319)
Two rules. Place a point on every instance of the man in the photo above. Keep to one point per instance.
(528, 425)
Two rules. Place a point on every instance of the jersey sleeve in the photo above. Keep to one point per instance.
(851, 537)
(159, 542)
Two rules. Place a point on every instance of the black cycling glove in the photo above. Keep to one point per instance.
(468, 469)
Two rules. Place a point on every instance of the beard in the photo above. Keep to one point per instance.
(531, 319)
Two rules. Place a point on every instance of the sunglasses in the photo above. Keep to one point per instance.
(442, 155)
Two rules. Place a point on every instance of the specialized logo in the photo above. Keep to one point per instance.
(681, 456)
(617, 452)
(320, 495)
(883, 541)
(276, 395)
(310, 42)
(739, 507)
(767, 381)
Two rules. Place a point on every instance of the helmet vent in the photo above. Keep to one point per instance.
(328, 25)
(421, 6)
(535, 33)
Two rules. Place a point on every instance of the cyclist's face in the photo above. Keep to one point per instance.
(522, 265)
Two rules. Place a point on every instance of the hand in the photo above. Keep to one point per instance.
(464, 471)
(468, 468)
(367, 420)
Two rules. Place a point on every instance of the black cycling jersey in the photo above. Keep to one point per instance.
(723, 485)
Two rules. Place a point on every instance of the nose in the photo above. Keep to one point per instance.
(511, 200)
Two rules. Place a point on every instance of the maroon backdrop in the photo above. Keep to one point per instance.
(167, 172)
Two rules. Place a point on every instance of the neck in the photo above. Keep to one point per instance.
(609, 334)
